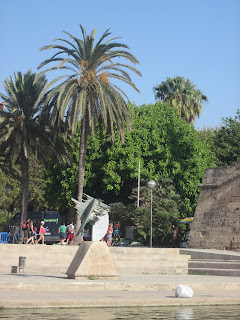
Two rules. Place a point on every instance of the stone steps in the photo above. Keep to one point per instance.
(214, 264)
(144, 250)
(39, 258)
(151, 264)
(148, 257)
(214, 272)
(56, 259)
(152, 270)
(229, 268)
(209, 254)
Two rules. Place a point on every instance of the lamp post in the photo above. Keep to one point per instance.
(151, 184)
(8, 188)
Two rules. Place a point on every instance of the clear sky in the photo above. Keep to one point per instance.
(195, 39)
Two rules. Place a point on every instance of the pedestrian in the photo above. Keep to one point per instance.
(25, 228)
(30, 233)
(42, 232)
(174, 235)
(82, 236)
(71, 233)
(109, 235)
(16, 234)
(35, 235)
(87, 236)
(62, 233)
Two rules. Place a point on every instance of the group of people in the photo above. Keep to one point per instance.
(109, 235)
(31, 234)
(67, 233)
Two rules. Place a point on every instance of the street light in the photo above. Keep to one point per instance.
(8, 189)
(151, 184)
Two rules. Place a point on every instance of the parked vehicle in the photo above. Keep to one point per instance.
(52, 223)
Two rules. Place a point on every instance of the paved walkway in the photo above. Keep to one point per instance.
(33, 290)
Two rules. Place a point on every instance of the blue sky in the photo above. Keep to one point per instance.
(195, 39)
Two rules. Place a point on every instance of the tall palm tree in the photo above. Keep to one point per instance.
(86, 93)
(183, 95)
(20, 131)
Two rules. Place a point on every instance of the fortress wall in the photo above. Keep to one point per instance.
(216, 222)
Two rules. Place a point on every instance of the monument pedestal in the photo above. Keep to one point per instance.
(93, 260)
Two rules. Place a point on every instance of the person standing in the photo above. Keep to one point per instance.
(30, 233)
(25, 228)
(42, 232)
(71, 233)
(62, 231)
(109, 235)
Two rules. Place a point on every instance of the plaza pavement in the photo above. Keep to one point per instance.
(23, 290)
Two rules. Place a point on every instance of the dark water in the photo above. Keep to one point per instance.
(145, 313)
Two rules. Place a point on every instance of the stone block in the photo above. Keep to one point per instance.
(93, 260)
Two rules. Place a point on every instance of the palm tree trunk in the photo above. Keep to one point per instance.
(81, 168)
(25, 193)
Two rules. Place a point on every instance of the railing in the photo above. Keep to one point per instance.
(4, 236)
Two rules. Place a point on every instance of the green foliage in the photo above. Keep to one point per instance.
(166, 146)
(20, 132)
(89, 92)
(167, 206)
(37, 189)
(23, 135)
(182, 95)
(37, 185)
(8, 199)
(19, 127)
(226, 141)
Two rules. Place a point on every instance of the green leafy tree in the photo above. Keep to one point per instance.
(20, 131)
(86, 93)
(37, 185)
(166, 146)
(226, 141)
(183, 95)
(7, 198)
(167, 206)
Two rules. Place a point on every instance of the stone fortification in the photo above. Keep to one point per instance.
(216, 223)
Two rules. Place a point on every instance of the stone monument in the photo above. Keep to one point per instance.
(93, 259)
(216, 223)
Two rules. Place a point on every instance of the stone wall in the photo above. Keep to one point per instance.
(216, 224)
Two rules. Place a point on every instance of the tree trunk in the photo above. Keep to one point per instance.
(81, 169)
(25, 193)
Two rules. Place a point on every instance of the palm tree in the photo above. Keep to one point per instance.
(86, 93)
(20, 131)
(183, 95)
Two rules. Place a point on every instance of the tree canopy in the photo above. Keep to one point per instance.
(21, 133)
(224, 141)
(89, 91)
(183, 95)
(163, 142)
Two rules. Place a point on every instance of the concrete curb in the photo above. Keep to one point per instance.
(48, 291)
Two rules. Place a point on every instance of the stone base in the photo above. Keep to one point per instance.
(93, 260)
